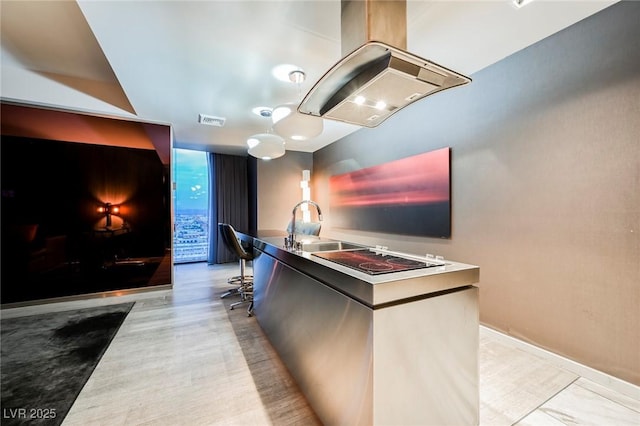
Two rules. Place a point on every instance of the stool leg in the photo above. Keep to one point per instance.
(237, 280)
(245, 290)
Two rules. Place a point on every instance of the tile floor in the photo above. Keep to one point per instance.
(182, 358)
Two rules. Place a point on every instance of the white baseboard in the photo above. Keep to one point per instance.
(599, 377)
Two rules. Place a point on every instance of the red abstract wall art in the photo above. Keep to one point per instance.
(408, 196)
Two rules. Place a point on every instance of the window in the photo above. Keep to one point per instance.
(191, 199)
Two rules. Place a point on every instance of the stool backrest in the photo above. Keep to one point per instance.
(232, 242)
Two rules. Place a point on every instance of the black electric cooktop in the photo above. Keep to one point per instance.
(372, 262)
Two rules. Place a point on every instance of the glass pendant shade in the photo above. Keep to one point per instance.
(266, 146)
(290, 124)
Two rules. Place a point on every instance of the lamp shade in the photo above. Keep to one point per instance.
(266, 146)
(290, 124)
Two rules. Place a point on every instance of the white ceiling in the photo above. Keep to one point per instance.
(169, 61)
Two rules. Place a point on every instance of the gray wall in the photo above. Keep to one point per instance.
(279, 188)
(545, 187)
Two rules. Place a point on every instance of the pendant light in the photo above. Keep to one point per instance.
(266, 146)
(289, 123)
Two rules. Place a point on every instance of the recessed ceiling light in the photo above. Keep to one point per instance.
(359, 100)
(262, 111)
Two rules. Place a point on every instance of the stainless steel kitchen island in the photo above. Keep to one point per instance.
(383, 349)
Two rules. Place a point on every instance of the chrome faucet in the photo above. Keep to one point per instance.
(292, 237)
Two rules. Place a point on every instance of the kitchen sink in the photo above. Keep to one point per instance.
(316, 246)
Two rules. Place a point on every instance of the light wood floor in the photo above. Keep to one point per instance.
(183, 358)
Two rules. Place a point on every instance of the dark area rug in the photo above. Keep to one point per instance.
(46, 360)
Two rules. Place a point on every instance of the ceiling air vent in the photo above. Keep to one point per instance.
(211, 120)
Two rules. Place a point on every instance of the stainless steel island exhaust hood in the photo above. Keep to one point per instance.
(379, 77)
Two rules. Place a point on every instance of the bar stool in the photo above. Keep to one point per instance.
(237, 279)
(244, 281)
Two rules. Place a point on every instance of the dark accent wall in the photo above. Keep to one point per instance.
(55, 243)
(545, 149)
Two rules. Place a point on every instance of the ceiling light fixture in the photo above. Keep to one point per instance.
(289, 123)
(266, 146)
(262, 111)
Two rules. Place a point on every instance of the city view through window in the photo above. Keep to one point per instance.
(191, 197)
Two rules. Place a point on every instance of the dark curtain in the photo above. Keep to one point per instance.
(228, 202)
(252, 164)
